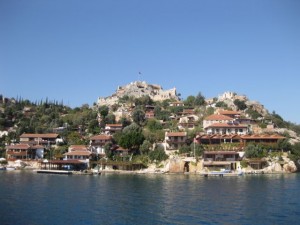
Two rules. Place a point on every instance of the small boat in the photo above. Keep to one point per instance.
(9, 168)
(222, 173)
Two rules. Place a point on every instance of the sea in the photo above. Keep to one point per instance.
(28, 198)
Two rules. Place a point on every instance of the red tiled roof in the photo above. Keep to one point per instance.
(217, 117)
(262, 136)
(78, 148)
(121, 149)
(81, 153)
(19, 146)
(245, 137)
(188, 111)
(176, 134)
(101, 137)
(49, 135)
(219, 136)
(229, 112)
(226, 125)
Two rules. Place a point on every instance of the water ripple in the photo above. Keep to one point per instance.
(29, 198)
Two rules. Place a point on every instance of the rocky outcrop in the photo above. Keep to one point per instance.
(229, 98)
(293, 137)
(281, 165)
(274, 167)
(138, 89)
(290, 167)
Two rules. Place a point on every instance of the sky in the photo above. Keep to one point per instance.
(76, 51)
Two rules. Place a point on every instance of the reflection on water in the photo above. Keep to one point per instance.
(29, 198)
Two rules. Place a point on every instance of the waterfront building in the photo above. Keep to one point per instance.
(175, 140)
(40, 139)
(216, 160)
(98, 142)
(113, 128)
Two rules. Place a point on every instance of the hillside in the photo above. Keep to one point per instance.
(137, 101)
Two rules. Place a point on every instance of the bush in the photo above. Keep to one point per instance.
(241, 105)
(221, 104)
(143, 159)
(158, 154)
(244, 164)
(184, 149)
(255, 151)
(295, 152)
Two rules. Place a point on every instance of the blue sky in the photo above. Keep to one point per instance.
(76, 51)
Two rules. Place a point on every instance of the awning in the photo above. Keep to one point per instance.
(214, 163)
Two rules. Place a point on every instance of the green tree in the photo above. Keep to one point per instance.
(199, 149)
(209, 111)
(255, 151)
(295, 153)
(144, 100)
(145, 147)
(165, 103)
(154, 136)
(278, 120)
(154, 125)
(124, 99)
(124, 121)
(103, 110)
(190, 101)
(253, 114)
(158, 154)
(110, 119)
(93, 126)
(74, 138)
(241, 105)
(58, 152)
(199, 100)
(117, 136)
(284, 144)
(176, 109)
(162, 114)
(132, 137)
(221, 104)
(185, 149)
(108, 150)
(138, 116)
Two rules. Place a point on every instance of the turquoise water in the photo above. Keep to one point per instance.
(30, 198)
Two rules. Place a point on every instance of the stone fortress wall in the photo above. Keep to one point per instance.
(138, 89)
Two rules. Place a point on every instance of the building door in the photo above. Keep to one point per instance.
(186, 167)
(233, 166)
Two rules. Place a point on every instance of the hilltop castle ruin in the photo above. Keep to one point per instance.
(138, 89)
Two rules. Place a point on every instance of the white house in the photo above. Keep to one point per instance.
(227, 128)
(215, 118)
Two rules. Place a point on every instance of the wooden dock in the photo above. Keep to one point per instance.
(221, 174)
(55, 171)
